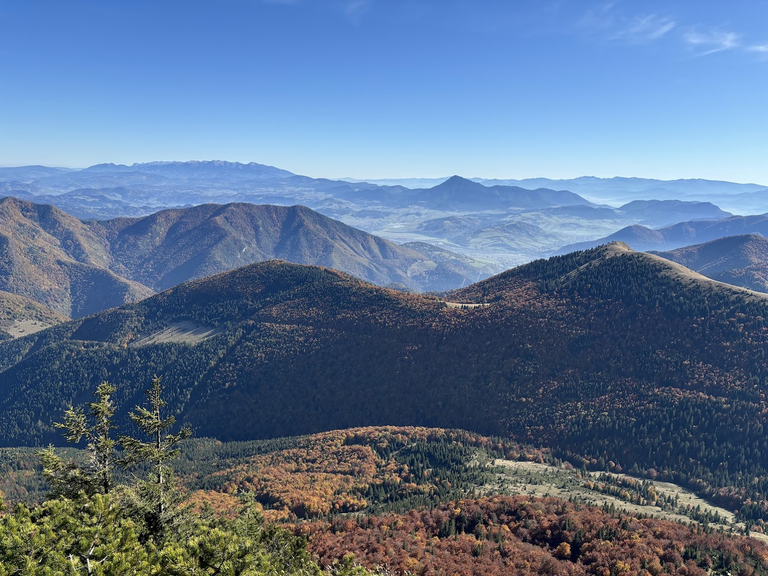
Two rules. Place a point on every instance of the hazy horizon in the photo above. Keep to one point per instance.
(368, 89)
(375, 179)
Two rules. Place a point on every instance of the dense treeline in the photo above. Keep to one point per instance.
(357, 470)
(614, 360)
(98, 522)
(520, 535)
(97, 535)
(94, 524)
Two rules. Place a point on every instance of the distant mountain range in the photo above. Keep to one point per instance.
(618, 190)
(458, 193)
(738, 198)
(197, 170)
(638, 188)
(78, 268)
(738, 260)
(515, 221)
(679, 235)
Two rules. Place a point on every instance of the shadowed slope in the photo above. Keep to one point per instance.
(738, 260)
(607, 355)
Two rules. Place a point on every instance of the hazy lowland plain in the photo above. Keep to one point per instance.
(436, 376)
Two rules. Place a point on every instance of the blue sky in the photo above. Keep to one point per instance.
(391, 88)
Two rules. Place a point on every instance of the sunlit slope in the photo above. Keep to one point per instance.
(607, 354)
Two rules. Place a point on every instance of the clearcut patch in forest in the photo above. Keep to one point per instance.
(25, 327)
(179, 333)
(662, 500)
(463, 305)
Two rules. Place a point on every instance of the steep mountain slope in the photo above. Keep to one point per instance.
(79, 267)
(739, 260)
(605, 355)
(173, 246)
(53, 258)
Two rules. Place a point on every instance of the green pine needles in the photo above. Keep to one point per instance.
(155, 497)
(92, 525)
(152, 499)
(68, 478)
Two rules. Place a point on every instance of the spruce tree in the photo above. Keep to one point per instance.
(156, 497)
(68, 478)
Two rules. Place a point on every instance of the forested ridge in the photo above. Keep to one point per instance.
(80, 267)
(346, 503)
(522, 535)
(612, 359)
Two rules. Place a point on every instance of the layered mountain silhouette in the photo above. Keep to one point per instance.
(80, 267)
(679, 235)
(639, 188)
(738, 260)
(460, 193)
(604, 354)
(668, 212)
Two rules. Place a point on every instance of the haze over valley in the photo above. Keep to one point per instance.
(383, 288)
(498, 223)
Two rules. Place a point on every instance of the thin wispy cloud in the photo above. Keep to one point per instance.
(760, 50)
(606, 21)
(644, 29)
(711, 42)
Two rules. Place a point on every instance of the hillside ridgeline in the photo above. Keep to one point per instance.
(80, 267)
(738, 260)
(613, 359)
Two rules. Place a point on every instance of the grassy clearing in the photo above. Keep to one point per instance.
(25, 327)
(180, 333)
(657, 499)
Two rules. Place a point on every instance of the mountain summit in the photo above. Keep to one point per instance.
(460, 193)
(80, 267)
(595, 353)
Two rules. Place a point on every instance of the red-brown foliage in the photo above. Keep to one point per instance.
(520, 535)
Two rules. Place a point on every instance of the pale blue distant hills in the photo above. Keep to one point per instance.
(506, 222)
